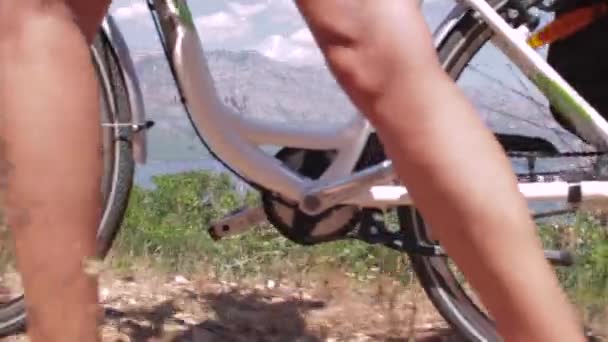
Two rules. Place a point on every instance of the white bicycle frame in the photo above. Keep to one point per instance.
(236, 139)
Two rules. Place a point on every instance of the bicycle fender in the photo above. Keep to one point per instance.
(133, 89)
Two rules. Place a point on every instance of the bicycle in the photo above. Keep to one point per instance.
(330, 184)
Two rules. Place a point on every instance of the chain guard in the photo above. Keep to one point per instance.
(340, 222)
(350, 222)
(336, 223)
(294, 224)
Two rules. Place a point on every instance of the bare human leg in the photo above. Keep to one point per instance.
(49, 126)
(382, 54)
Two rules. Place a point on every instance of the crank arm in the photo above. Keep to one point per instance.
(237, 222)
(559, 257)
(326, 195)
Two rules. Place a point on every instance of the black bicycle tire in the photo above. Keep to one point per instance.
(125, 172)
(13, 317)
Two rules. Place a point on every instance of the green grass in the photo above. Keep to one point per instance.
(166, 229)
(587, 281)
(168, 226)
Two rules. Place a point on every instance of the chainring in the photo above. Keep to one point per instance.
(333, 224)
(294, 224)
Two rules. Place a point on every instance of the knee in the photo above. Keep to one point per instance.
(369, 44)
(362, 68)
(361, 61)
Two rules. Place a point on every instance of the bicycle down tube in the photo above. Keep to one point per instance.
(235, 139)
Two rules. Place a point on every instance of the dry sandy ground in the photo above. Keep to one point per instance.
(173, 308)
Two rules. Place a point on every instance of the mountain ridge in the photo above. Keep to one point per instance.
(264, 89)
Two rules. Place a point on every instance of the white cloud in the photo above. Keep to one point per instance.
(132, 11)
(284, 12)
(297, 48)
(247, 10)
(219, 26)
(303, 36)
(218, 20)
(285, 5)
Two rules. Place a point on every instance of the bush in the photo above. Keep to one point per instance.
(587, 281)
(168, 225)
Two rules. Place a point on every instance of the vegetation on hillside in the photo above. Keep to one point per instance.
(587, 281)
(166, 228)
(168, 225)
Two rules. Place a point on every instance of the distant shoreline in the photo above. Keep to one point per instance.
(145, 173)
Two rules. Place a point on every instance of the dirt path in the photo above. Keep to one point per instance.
(173, 308)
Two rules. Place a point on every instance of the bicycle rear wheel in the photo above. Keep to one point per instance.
(480, 69)
(116, 182)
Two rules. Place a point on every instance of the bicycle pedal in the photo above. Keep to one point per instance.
(559, 257)
(237, 222)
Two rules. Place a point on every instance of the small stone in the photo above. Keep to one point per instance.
(270, 284)
(190, 321)
(359, 337)
(276, 300)
(104, 294)
(306, 296)
(426, 326)
(173, 327)
(92, 266)
(181, 280)
(185, 318)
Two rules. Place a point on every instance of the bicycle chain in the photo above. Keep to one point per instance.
(554, 155)
(550, 176)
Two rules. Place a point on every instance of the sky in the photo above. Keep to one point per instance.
(275, 28)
